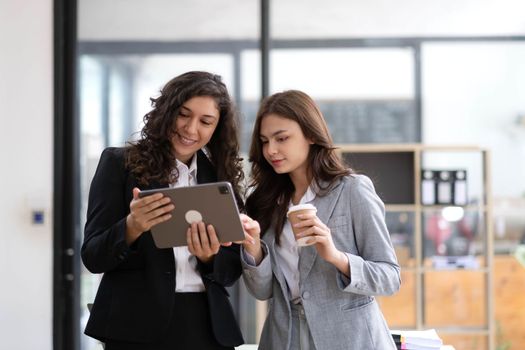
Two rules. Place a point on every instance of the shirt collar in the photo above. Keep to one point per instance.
(309, 195)
(192, 169)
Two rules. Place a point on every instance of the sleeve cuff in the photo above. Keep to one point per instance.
(248, 260)
(121, 250)
(355, 282)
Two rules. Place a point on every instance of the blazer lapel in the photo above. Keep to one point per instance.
(325, 206)
(269, 239)
(205, 170)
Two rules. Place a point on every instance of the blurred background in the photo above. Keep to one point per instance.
(76, 76)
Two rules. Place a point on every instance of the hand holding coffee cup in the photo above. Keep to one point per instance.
(293, 213)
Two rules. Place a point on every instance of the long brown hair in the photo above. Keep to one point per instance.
(272, 192)
(151, 158)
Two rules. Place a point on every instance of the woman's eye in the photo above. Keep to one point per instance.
(282, 139)
(183, 115)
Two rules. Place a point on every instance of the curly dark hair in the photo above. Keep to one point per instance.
(151, 158)
(272, 192)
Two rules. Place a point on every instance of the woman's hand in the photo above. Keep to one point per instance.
(252, 241)
(319, 234)
(203, 241)
(145, 213)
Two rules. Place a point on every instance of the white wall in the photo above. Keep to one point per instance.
(26, 119)
(234, 19)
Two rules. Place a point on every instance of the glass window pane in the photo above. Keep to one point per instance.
(344, 73)
(480, 88)
(365, 94)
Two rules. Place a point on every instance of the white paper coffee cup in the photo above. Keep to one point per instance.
(292, 214)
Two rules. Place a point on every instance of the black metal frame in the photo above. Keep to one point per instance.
(66, 266)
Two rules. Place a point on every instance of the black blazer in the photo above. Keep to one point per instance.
(135, 299)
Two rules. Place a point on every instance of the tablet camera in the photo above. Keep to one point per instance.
(224, 190)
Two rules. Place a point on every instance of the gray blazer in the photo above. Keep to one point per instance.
(341, 313)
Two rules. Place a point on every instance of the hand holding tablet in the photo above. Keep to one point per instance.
(212, 203)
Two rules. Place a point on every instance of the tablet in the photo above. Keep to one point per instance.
(212, 203)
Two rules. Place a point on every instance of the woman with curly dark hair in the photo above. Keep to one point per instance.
(151, 298)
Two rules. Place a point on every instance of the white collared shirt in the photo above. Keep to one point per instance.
(287, 253)
(188, 278)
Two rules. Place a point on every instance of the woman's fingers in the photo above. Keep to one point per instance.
(203, 236)
(316, 239)
(195, 239)
(247, 239)
(202, 241)
(150, 210)
(250, 226)
(314, 230)
(251, 230)
(308, 220)
(209, 240)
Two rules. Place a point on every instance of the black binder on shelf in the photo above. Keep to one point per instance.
(445, 187)
(428, 187)
(460, 187)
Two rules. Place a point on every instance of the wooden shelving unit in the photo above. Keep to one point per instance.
(457, 302)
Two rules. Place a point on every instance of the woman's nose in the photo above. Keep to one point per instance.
(191, 125)
(270, 148)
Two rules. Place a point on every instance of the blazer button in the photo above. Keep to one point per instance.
(168, 272)
(306, 295)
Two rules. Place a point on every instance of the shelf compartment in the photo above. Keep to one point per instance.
(392, 173)
(455, 234)
(465, 341)
(454, 299)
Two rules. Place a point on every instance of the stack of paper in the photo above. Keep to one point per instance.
(417, 340)
(455, 262)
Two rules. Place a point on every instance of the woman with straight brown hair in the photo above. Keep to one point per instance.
(322, 294)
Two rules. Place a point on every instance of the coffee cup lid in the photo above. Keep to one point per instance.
(301, 207)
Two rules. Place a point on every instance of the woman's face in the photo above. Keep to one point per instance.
(194, 126)
(284, 145)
